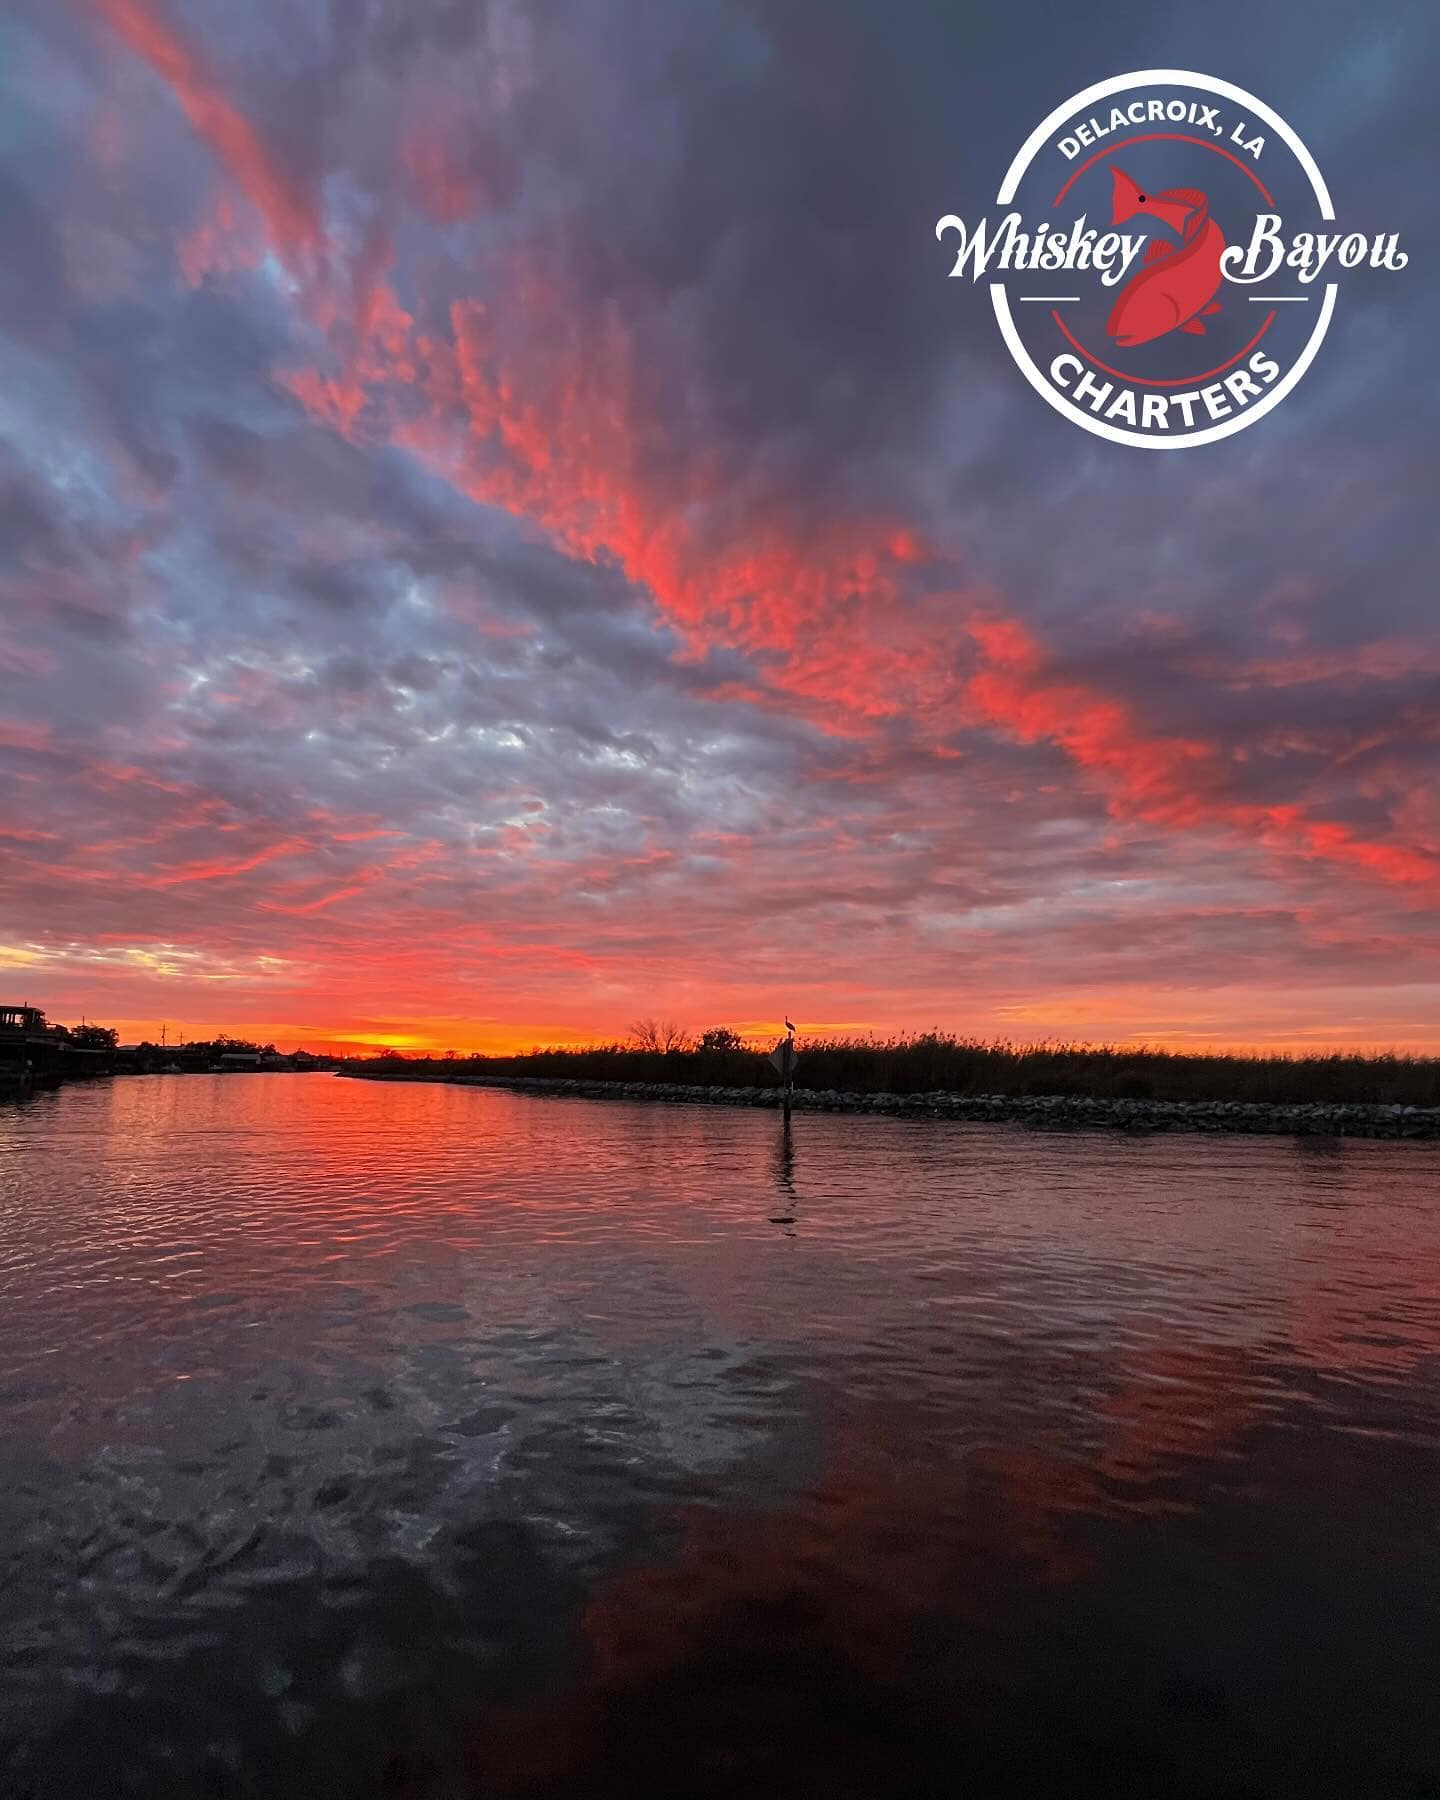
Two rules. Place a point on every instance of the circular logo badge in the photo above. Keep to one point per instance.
(1162, 262)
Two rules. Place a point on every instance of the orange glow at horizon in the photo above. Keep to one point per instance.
(434, 1037)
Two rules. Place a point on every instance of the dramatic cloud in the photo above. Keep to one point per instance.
(506, 527)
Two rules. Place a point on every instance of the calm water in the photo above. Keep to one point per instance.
(422, 1441)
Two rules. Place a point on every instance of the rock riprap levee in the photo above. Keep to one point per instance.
(1045, 1111)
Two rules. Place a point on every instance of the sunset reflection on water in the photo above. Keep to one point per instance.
(432, 1440)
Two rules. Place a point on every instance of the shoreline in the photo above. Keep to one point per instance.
(1039, 1111)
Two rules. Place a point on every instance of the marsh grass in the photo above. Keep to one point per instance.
(931, 1062)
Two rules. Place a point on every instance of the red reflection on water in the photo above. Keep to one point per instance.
(822, 1643)
(834, 1642)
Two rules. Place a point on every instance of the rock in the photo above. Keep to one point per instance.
(1043, 1111)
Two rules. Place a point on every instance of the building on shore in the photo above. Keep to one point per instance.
(34, 1053)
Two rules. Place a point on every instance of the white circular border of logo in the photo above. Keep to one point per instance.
(1102, 90)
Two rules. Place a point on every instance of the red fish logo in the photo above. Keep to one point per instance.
(1175, 286)
(1122, 303)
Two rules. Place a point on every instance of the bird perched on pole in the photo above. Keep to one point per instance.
(789, 1025)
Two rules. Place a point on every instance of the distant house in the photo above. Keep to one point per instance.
(239, 1059)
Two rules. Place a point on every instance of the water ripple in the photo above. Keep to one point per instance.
(362, 1414)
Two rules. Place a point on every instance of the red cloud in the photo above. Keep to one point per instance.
(1175, 782)
(833, 614)
(441, 182)
(539, 402)
(290, 217)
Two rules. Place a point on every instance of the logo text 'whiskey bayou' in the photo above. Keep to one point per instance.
(1165, 264)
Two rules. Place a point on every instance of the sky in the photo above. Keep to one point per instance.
(506, 528)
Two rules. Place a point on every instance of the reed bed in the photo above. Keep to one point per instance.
(933, 1061)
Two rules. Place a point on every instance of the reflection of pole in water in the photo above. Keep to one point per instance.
(785, 1172)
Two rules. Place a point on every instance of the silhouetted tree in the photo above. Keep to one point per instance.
(663, 1035)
